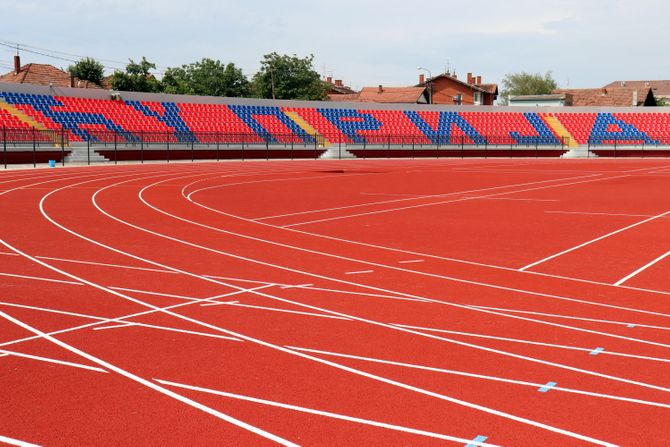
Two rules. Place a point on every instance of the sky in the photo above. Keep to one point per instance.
(584, 43)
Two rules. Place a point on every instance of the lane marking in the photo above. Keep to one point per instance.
(582, 213)
(126, 267)
(263, 343)
(166, 328)
(38, 278)
(327, 414)
(16, 442)
(429, 196)
(642, 269)
(275, 309)
(600, 238)
(457, 200)
(359, 272)
(547, 387)
(530, 342)
(479, 376)
(4, 253)
(570, 317)
(297, 286)
(411, 261)
(50, 360)
(149, 383)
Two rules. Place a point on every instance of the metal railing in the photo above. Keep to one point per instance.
(27, 145)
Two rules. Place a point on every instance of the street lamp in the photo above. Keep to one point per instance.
(430, 84)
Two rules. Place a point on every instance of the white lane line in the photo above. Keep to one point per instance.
(276, 309)
(126, 267)
(115, 326)
(38, 278)
(446, 202)
(390, 194)
(4, 253)
(50, 360)
(373, 295)
(327, 414)
(411, 261)
(16, 442)
(584, 213)
(530, 342)
(252, 281)
(516, 200)
(267, 344)
(168, 329)
(359, 272)
(375, 264)
(45, 309)
(148, 383)
(642, 269)
(571, 317)
(600, 238)
(297, 286)
(480, 376)
(430, 196)
(397, 250)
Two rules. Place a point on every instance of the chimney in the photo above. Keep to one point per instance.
(381, 89)
(603, 91)
(71, 80)
(471, 80)
(17, 64)
(479, 80)
(635, 98)
(422, 78)
(329, 79)
(338, 82)
(623, 83)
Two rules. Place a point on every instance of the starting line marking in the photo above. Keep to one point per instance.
(547, 387)
(359, 272)
(477, 441)
(410, 261)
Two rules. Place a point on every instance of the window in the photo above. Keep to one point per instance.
(478, 98)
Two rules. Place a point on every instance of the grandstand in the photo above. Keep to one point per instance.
(46, 116)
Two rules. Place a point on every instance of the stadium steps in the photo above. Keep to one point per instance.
(80, 155)
(304, 125)
(335, 153)
(561, 131)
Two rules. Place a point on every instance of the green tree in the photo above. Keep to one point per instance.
(88, 69)
(206, 77)
(136, 78)
(516, 84)
(288, 77)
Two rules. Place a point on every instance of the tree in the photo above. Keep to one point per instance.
(516, 84)
(207, 77)
(136, 78)
(288, 77)
(88, 69)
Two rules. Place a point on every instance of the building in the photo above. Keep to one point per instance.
(557, 100)
(389, 95)
(446, 88)
(336, 88)
(589, 97)
(43, 74)
(660, 88)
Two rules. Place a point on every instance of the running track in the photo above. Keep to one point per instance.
(349, 303)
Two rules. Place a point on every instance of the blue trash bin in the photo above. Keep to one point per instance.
(52, 163)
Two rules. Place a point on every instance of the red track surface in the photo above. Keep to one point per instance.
(381, 302)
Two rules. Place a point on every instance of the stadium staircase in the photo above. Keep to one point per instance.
(79, 155)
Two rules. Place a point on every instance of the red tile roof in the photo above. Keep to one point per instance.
(398, 95)
(605, 97)
(660, 87)
(43, 74)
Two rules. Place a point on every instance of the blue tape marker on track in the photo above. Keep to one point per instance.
(479, 438)
(631, 325)
(597, 351)
(547, 387)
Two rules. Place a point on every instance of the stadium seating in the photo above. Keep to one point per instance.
(189, 122)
